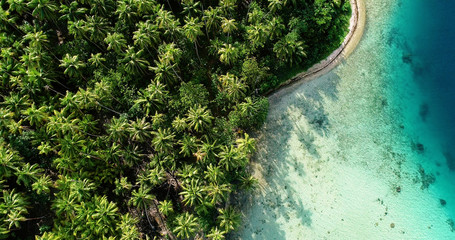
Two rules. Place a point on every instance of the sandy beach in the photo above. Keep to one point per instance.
(340, 157)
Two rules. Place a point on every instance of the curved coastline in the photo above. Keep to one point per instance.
(352, 39)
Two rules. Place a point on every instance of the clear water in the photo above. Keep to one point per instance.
(368, 150)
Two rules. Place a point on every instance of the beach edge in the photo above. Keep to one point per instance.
(352, 39)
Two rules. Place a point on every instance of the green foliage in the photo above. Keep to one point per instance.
(249, 114)
(125, 119)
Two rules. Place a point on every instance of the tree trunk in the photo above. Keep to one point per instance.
(197, 52)
(161, 221)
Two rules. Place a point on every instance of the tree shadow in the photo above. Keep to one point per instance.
(295, 121)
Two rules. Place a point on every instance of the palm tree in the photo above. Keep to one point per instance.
(199, 118)
(164, 72)
(98, 27)
(275, 5)
(71, 145)
(153, 98)
(216, 234)
(117, 129)
(27, 174)
(19, 6)
(48, 236)
(115, 41)
(142, 199)
(35, 116)
(15, 103)
(207, 151)
(228, 54)
(122, 186)
(72, 65)
(186, 226)
(228, 25)
(248, 182)
(163, 140)
(96, 60)
(104, 215)
(13, 208)
(192, 193)
(158, 120)
(42, 184)
(227, 6)
(191, 8)
(212, 19)
(37, 39)
(290, 48)
(230, 158)
(258, 35)
(276, 27)
(140, 130)
(229, 219)
(71, 12)
(9, 161)
(234, 87)
(188, 145)
(146, 34)
(247, 144)
(127, 227)
(188, 172)
(179, 124)
(169, 52)
(143, 6)
(217, 192)
(167, 21)
(133, 61)
(126, 12)
(142, 39)
(78, 29)
(165, 207)
(214, 174)
(101, 7)
(43, 9)
(192, 30)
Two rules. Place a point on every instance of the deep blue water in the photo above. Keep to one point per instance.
(437, 50)
(434, 49)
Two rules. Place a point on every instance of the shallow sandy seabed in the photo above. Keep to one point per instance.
(346, 156)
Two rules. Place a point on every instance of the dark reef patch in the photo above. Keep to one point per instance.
(450, 161)
(423, 111)
(417, 147)
(451, 224)
(424, 178)
(407, 58)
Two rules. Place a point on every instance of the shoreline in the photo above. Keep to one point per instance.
(352, 39)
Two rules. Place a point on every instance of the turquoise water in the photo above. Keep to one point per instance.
(367, 150)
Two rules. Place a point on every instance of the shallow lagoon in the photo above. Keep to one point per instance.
(365, 151)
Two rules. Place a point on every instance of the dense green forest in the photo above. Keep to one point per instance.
(127, 119)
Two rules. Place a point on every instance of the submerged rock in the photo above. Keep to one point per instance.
(442, 201)
(407, 58)
(418, 147)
